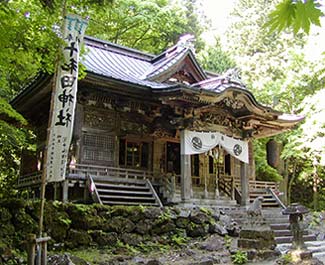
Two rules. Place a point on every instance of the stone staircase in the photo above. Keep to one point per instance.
(279, 223)
(119, 191)
(268, 200)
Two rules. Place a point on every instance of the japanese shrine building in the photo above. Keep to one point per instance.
(132, 111)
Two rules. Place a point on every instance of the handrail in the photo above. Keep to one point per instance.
(226, 184)
(276, 198)
(154, 193)
(126, 173)
(237, 195)
(93, 189)
(29, 179)
(257, 184)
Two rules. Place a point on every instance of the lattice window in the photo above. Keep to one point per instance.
(98, 148)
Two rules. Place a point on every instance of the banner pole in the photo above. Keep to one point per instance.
(44, 176)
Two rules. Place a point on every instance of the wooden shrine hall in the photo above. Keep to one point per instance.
(133, 110)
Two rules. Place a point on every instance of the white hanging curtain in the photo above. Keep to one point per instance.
(201, 142)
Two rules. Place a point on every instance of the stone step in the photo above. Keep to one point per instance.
(280, 233)
(316, 247)
(108, 202)
(135, 193)
(277, 220)
(288, 239)
(120, 186)
(282, 226)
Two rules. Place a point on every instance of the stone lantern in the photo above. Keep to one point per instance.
(295, 212)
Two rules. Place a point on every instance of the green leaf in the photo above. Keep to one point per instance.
(282, 16)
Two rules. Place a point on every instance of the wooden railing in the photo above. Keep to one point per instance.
(259, 185)
(226, 185)
(98, 172)
(276, 197)
(28, 180)
(93, 189)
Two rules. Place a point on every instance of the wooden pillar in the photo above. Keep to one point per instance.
(31, 243)
(244, 179)
(186, 179)
(65, 190)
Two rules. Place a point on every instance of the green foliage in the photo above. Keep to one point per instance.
(150, 26)
(296, 15)
(215, 59)
(287, 258)
(165, 216)
(228, 241)
(240, 257)
(13, 138)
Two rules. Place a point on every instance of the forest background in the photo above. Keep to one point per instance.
(264, 39)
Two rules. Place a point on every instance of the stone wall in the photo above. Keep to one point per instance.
(78, 225)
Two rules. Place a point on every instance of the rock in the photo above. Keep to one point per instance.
(182, 222)
(143, 227)
(66, 259)
(199, 217)
(78, 238)
(218, 229)
(196, 230)
(213, 243)
(56, 222)
(23, 222)
(162, 228)
(257, 238)
(131, 239)
(185, 213)
(103, 238)
(84, 217)
(152, 213)
(153, 262)
(204, 261)
(138, 260)
(119, 224)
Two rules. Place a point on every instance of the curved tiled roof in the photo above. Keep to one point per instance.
(120, 65)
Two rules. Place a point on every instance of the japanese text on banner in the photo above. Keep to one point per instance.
(65, 97)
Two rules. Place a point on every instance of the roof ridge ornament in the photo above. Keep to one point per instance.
(186, 41)
(233, 74)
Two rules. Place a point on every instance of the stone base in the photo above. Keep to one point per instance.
(265, 254)
(300, 254)
(257, 238)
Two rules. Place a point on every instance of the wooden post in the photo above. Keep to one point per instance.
(30, 245)
(244, 179)
(186, 179)
(44, 250)
(65, 190)
(43, 179)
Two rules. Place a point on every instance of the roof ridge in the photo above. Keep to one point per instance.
(117, 48)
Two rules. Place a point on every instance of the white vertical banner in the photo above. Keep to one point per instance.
(236, 148)
(201, 142)
(65, 97)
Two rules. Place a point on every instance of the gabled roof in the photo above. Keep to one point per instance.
(130, 65)
(118, 62)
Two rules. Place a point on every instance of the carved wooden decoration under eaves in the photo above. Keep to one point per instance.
(183, 76)
(128, 127)
(233, 103)
(99, 120)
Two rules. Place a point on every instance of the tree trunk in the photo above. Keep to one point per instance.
(315, 188)
(293, 177)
